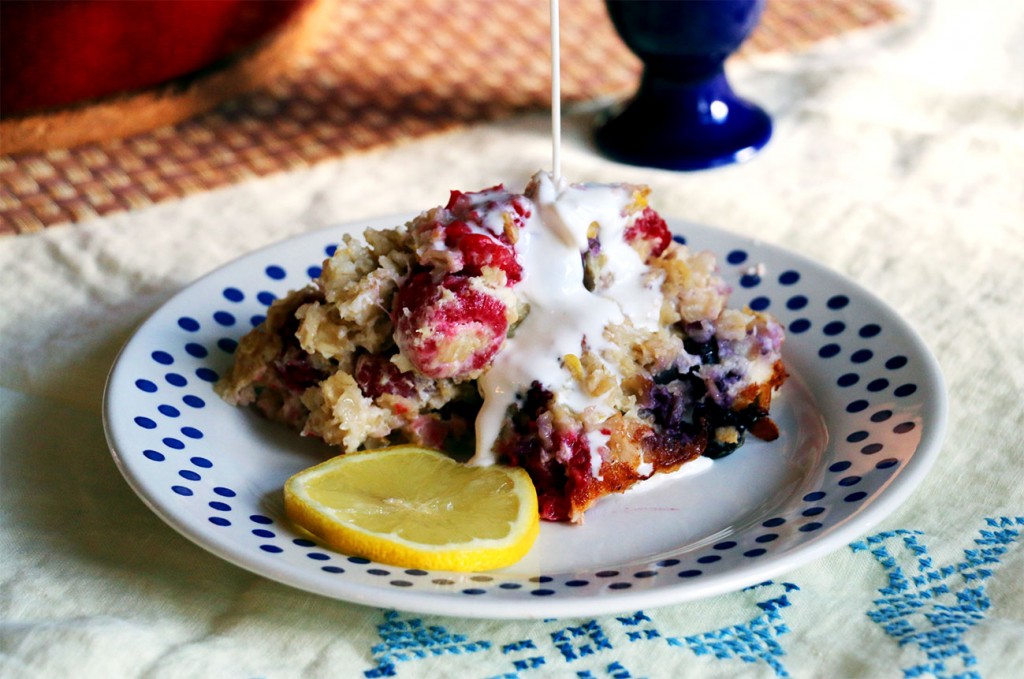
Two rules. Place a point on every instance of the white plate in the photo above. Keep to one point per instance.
(862, 417)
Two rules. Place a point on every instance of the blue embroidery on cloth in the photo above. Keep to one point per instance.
(753, 641)
(924, 605)
(529, 663)
(404, 640)
(518, 646)
(576, 642)
(614, 671)
(588, 647)
(933, 606)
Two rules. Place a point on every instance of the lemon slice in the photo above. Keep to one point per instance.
(417, 508)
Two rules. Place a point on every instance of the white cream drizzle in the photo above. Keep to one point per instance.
(563, 314)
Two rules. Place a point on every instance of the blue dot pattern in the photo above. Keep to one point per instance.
(233, 294)
(188, 324)
(872, 433)
(162, 357)
(224, 318)
(146, 385)
(196, 350)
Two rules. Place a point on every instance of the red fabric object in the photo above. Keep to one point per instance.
(58, 52)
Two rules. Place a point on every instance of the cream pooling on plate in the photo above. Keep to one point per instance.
(564, 316)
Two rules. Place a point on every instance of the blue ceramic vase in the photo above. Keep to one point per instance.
(685, 115)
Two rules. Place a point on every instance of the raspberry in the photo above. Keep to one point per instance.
(430, 431)
(557, 460)
(480, 250)
(295, 370)
(456, 199)
(521, 210)
(376, 376)
(652, 228)
(448, 328)
(477, 242)
(463, 204)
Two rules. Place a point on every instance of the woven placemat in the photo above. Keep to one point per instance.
(380, 72)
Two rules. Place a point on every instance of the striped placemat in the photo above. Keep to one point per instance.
(379, 72)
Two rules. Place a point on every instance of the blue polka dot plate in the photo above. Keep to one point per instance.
(861, 419)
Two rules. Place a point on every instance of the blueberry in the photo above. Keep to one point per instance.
(707, 351)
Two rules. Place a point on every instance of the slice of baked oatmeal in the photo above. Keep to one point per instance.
(561, 330)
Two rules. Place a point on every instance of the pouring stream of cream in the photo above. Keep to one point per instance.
(563, 314)
(556, 96)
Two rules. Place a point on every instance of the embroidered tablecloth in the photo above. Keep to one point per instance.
(897, 160)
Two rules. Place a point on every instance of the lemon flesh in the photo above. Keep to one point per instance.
(417, 508)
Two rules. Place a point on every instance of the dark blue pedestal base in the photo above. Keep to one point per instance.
(685, 126)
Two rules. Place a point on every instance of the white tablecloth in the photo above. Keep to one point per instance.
(897, 160)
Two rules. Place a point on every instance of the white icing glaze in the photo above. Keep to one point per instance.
(597, 441)
(563, 314)
(492, 221)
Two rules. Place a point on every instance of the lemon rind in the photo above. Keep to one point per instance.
(474, 555)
